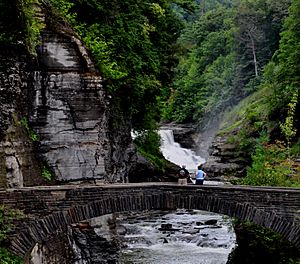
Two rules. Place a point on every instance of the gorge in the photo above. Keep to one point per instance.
(78, 77)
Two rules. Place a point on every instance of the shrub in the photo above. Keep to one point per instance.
(46, 173)
(7, 216)
(8, 258)
(271, 165)
(31, 133)
(148, 144)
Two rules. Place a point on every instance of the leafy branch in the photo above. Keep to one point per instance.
(287, 128)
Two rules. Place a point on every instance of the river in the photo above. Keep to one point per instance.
(190, 240)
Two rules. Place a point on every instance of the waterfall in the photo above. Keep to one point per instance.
(173, 152)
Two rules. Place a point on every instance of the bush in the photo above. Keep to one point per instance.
(148, 144)
(271, 165)
(7, 216)
(257, 244)
(8, 258)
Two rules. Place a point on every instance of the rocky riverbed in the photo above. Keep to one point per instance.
(182, 236)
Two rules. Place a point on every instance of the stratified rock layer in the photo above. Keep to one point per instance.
(225, 160)
(56, 116)
(69, 111)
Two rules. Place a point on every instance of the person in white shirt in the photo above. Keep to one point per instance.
(200, 175)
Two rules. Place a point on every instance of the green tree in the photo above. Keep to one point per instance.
(258, 24)
(133, 44)
(224, 53)
(284, 74)
(205, 41)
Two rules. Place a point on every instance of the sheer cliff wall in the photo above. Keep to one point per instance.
(56, 115)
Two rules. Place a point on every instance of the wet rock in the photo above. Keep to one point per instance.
(167, 227)
(121, 230)
(211, 222)
(93, 249)
(185, 137)
(191, 231)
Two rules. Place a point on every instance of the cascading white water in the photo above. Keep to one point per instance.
(192, 241)
(173, 152)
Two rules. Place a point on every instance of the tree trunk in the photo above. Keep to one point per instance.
(254, 53)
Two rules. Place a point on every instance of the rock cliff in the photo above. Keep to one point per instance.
(56, 117)
(225, 160)
(68, 110)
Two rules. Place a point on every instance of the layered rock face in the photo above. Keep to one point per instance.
(69, 110)
(56, 116)
(18, 164)
(225, 160)
(89, 242)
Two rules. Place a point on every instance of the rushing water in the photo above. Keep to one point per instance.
(192, 241)
(173, 152)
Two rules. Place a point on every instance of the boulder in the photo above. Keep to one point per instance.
(142, 170)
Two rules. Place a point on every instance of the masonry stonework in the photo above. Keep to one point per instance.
(52, 209)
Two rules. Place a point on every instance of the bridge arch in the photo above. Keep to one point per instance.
(274, 208)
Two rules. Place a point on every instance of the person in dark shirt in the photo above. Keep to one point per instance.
(183, 174)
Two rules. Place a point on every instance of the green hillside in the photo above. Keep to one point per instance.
(243, 60)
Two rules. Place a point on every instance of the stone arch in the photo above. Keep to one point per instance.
(36, 231)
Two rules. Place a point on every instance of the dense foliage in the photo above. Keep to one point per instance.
(7, 217)
(249, 49)
(19, 25)
(226, 49)
(261, 245)
(275, 155)
(133, 44)
(148, 144)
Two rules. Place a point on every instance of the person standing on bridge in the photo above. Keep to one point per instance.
(183, 174)
(200, 175)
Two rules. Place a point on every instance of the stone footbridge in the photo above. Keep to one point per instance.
(51, 209)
